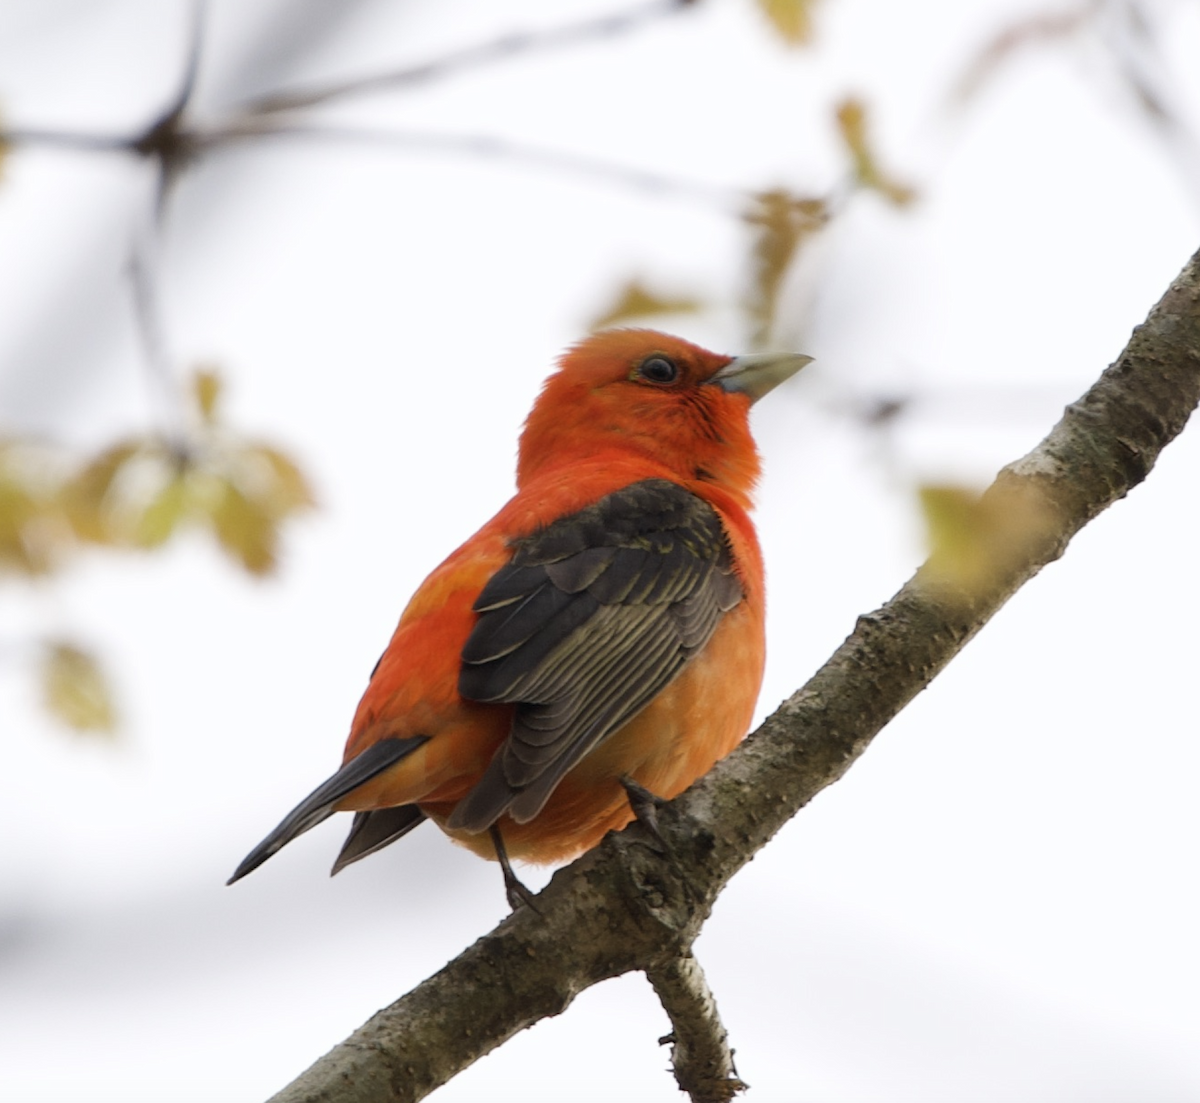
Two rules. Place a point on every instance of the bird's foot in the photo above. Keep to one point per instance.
(514, 890)
(645, 806)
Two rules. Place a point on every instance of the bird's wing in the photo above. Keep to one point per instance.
(590, 618)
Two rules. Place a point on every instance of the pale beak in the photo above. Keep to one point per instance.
(759, 373)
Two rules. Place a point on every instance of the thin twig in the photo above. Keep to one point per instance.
(72, 140)
(480, 145)
(144, 282)
(499, 49)
(168, 140)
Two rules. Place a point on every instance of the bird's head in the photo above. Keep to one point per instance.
(639, 392)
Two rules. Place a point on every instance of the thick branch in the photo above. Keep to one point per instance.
(621, 907)
(699, 1045)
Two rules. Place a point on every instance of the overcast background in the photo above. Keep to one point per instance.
(998, 903)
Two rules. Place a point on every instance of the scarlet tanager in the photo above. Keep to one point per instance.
(605, 627)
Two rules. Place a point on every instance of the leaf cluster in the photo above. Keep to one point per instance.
(136, 495)
(782, 224)
(141, 491)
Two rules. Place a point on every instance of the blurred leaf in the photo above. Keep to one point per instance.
(206, 389)
(18, 508)
(75, 690)
(33, 531)
(83, 499)
(972, 537)
(245, 529)
(635, 301)
(852, 123)
(782, 223)
(289, 490)
(953, 527)
(164, 512)
(792, 19)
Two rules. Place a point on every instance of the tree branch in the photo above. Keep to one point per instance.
(622, 906)
(699, 1044)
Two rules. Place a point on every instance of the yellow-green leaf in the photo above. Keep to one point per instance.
(288, 489)
(18, 508)
(782, 222)
(245, 529)
(163, 513)
(972, 537)
(75, 689)
(792, 19)
(953, 527)
(84, 498)
(851, 116)
(634, 300)
(206, 390)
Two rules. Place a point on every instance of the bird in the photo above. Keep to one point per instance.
(597, 645)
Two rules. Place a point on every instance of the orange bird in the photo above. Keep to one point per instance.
(604, 630)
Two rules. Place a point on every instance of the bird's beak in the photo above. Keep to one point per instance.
(755, 375)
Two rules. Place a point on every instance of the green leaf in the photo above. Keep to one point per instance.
(162, 515)
(634, 301)
(85, 498)
(206, 390)
(245, 529)
(972, 537)
(75, 689)
(18, 508)
(792, 19)
(288, 489)
(851, 116)
(782, 223)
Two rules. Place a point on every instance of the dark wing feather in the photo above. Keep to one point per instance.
(318, 805)
(588, 621)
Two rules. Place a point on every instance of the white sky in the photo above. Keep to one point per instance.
(997, 903)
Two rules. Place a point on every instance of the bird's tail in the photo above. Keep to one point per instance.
(373, 830)
(319, 805)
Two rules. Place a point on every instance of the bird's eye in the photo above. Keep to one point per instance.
(658, 369)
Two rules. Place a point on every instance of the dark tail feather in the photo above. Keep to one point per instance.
(318, 805)
(372, 831)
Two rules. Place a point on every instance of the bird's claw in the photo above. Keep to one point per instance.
(645, 805)
(515, 890)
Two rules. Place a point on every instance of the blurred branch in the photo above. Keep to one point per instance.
(1121, 29)
(172, 143)
(479, 145)
(164, 387)
(1053, 27)
(500, 49)
(621, 906)
(1141, 64)
(166, 141)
